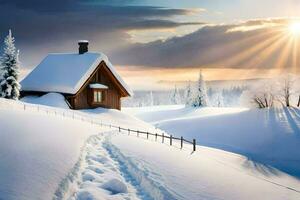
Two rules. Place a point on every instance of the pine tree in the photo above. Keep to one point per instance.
(175, 98)
(9, 85)
(188, 95)
(200, 99)
(151, 98)
(219, 100)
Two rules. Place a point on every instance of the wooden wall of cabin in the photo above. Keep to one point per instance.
(112, 98)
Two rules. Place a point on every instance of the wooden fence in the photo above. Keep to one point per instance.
(156, 135)
(80, 116)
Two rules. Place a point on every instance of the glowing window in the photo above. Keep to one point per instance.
(97, 96)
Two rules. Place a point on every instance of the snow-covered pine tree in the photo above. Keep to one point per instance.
(9, 85)
(200, 99)
(188, 97)
(219, 100)
(175, 98)
(151, 99)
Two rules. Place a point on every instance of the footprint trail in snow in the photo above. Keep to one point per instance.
(100, 176)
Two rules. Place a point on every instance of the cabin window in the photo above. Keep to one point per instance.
(98, 96)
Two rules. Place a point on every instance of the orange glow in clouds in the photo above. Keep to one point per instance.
(264, 55)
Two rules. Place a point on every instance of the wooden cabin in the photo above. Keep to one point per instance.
(87, 80)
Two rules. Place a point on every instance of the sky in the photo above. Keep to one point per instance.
(156, 44)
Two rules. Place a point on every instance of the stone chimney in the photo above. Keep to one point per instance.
(83, 46)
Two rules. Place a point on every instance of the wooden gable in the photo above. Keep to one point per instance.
(112, 99)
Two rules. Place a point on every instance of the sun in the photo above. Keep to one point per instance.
(294, 28)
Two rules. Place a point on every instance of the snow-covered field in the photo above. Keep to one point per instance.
(41, 148)
(45, 155)
(171, 173)
(270, 137)
(36, 152)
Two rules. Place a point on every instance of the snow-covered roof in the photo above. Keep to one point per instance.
(66, 73)
(83, 41)
(98, 86)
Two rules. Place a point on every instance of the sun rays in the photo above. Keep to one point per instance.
(278, 48)
(294, 28)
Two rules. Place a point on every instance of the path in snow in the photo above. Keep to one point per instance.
(103, 172)
(99, 176)
(116, 166)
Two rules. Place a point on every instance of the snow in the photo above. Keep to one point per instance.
(36, 152)
(99, 176)
(115, 186)
(49, 99)
(45, 155)
(53, 73)
(98, 86)
(83, 41)
(42, 154)
(270, 136)
(115, 117)
(158, 114)
(206, 174)
(9, 69)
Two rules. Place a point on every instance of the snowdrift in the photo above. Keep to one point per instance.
(50, 99)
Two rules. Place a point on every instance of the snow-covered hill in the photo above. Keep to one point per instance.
(270, 137)
(37, 151)
(41, 147)
(45, 153)
(171, 173)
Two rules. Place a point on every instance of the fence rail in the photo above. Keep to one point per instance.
(80, 116)
(162, 136)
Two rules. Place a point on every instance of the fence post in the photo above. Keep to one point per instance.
(194, 145)
(128, 131)
(181, 142)
(119, 129)
(24, 107)
(38, 108)
(147, 135)
(163, 138)
(137, 133)
(155, 136)
(170, 140)
(73, 115)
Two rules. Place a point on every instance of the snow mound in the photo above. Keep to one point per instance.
(90, 194)
(116, 117)
(158, 114)
(50, 99)
(115, 186)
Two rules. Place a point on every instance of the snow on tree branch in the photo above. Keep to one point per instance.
(9, 68)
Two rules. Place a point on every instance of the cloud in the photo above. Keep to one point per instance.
(42, 26)
(158, 24)
(251, 44)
